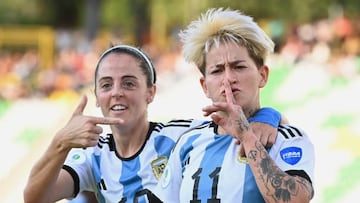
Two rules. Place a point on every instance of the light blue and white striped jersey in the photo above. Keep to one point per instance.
(205, 167)
(115, 179)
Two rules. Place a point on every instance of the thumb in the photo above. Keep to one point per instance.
(81, 106)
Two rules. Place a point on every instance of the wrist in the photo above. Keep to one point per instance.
(249, 140)
(59, 144)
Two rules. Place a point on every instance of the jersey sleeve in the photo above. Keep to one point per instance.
(78, 164)
(293, 152)
(267, 115)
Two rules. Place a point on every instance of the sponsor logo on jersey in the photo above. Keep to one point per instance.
(291, 155)
(78, 158)
(158, 166)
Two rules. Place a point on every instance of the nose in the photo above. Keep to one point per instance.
(229, 75)
(117, 91)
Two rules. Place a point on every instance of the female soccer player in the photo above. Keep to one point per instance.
(230, 50)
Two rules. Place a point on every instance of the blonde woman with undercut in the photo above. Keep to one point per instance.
(230, 51)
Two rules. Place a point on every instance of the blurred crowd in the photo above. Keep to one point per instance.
(331, 44)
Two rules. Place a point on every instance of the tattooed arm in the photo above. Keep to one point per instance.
(274, 184)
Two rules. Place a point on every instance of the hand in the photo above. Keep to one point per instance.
(265, 133)
(83, 131)
(229, 115)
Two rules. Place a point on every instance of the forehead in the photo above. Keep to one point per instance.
(119, 63)
(226, 52)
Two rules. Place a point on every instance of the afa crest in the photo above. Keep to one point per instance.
(158, 166)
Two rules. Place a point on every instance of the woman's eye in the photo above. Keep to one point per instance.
(215, 71)
(106, 86)
(129, 85)
(240, 67)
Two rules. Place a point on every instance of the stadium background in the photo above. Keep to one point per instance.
(46, 66)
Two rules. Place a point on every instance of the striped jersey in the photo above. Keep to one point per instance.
(205, 167)
(114, 179)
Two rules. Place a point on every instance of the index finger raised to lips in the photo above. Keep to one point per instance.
(228, 93)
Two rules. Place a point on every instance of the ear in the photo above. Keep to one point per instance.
(151, 94)
(264, 75)
(204, 87)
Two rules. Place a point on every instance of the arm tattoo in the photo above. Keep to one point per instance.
(307, 185)
(280, 186)
(242, 123)
(252, 155)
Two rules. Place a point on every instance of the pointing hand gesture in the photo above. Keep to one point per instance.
(83, 131)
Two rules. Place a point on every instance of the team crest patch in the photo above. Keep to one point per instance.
(242, 160)
(158, 166)
(291, 155)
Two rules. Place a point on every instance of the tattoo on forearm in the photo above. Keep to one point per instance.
(279, 185)
(307, 185)
(252, 155)
(284, 187)
(242, 123)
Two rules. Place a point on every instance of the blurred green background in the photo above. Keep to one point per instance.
(48, 50)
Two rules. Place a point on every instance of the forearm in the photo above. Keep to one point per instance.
(274, 184)
(44, 174)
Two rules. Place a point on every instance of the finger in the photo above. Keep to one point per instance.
(81, 106)
(98, 130)
(229, 96)
(92, 140)
(241, 151)
(209, 110)
(263, 139)
(106, 120)
(271, 139)
(217, 119)
(215, 107)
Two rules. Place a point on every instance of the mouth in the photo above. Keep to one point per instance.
(233, 90)
(118, 108)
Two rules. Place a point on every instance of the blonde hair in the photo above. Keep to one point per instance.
(218, 26)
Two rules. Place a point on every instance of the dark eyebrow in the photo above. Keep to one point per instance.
(231, 63)
(123, 77)
(105, 78)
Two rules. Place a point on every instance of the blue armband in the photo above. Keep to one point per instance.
(267, 115)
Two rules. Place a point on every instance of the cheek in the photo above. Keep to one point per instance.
(137, 98)
(100, 99)
(213, 88)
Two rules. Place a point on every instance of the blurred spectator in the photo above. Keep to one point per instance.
(326, 42)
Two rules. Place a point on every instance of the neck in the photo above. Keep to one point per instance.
(129, 140)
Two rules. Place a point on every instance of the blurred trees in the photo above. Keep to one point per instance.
(153, 19)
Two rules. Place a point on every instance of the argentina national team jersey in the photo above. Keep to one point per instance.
(114, 179)
(205, 167)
